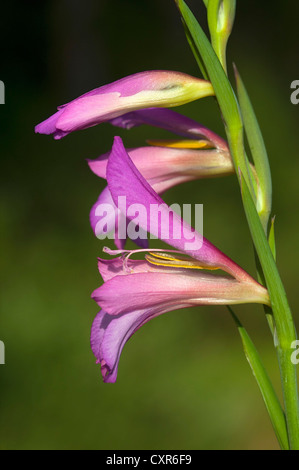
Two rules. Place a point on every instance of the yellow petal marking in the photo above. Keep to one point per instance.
(181, 144)
(167, 260)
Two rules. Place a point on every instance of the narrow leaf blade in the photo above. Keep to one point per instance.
(272, 238)
(264, 383)
(258, 151)
(283, 317)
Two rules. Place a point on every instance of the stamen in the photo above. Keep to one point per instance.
(160, 257)
(126, 254)
(164, 259)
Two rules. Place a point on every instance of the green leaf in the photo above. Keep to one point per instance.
(258, 151)
(268, 393)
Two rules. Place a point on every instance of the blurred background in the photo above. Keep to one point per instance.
(183, 379)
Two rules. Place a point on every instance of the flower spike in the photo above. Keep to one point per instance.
(135, 291)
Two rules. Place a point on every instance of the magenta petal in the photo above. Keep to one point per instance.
(133, 186)
(97, 214)
(145, 290)
(104, 222)
(105, 218)
(99, 165)
(135, 291)
(49, 126)
(165, 167)
(170, 121)
(108, 337)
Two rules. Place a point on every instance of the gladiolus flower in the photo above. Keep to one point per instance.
(142, 90)
(163, 168)
(136, 291)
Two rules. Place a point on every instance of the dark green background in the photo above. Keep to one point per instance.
(183, 380)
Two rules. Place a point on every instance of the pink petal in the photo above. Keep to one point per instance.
(171, 121)
(121, 294)
(110, 334)
(158, 88)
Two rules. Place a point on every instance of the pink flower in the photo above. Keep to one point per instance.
(135, 291)
(141, 90)
(165, 164)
